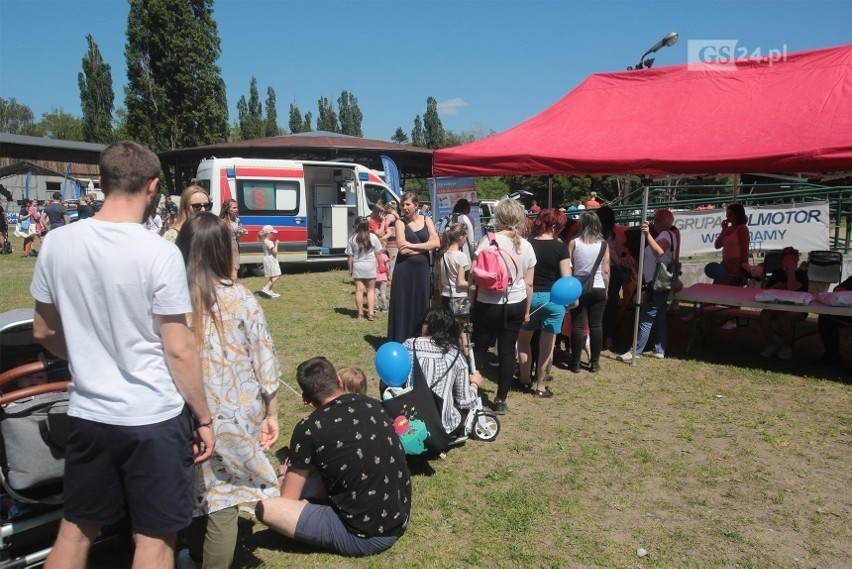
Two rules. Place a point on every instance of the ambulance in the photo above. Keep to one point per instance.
(311, 204)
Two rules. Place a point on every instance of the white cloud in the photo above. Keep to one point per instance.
(452, 106)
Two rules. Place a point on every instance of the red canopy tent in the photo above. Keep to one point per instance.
(787, 115)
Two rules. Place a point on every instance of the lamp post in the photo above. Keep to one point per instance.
(667, 41)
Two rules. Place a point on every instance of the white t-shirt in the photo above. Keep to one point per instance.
(107, 280)
(649, 262)
(154, 224)
(451, 263)
(523, 262)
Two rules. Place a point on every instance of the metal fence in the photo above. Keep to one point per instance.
(628, 211)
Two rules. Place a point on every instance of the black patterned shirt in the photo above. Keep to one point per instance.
(353, 445)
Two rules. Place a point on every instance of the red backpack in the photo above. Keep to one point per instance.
(492, 272)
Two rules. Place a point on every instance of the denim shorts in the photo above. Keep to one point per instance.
(150, 467)
(545, 315)
(321, 526)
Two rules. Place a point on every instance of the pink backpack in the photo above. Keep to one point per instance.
(492, 272)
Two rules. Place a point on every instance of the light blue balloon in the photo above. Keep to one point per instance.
(715, 271)
(566, 290)
(393, 363)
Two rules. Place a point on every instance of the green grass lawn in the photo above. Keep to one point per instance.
(724, 459)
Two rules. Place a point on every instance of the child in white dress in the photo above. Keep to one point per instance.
(361, 251)
(271, 268)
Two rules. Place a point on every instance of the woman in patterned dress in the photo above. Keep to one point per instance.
(241, 374)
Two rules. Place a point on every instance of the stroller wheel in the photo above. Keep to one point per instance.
(486, 427)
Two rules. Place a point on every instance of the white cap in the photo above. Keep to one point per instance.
(268, 229)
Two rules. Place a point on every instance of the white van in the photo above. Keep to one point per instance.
(313, 205)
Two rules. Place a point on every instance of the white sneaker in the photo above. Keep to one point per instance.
(625, 357)
(274, 294)
(653, 354)
(769, 351)
(730, 325)
(785, 353)
(265, 293)
(184, 561)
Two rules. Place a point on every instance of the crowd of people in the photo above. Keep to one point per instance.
(180, 383)
(173, 405)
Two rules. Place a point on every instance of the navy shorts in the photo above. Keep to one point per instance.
(148, 467)
(321, 526)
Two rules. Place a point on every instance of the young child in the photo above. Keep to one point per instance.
(361, 251)
(382, 268)
(354, 380)
(271, 268)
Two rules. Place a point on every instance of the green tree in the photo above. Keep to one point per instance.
(433, 129)
(491, 188)
(327, 119)
(418, 137)
(97, 98)
(16, 118)
(272, 128)
(296, 123)
(454, 139)
(399, 136)
(175, 95)
(350, 114)
(119, 124)
(306, 126)
(59, 125)
(250, 114)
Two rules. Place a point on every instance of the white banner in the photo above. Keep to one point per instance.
(802, 225)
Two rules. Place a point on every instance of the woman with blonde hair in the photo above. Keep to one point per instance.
(500, 315)
(662, 246)
(416, 238)
(194, 199)
(241, 372)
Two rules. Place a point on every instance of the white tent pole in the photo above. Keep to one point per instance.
(646, 186)
(550, 191)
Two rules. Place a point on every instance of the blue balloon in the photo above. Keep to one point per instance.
(393, 363)
(566, 290)
(715, 271)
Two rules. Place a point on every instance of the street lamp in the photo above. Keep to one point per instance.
(667, 41)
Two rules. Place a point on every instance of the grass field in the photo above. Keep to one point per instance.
(725, 459)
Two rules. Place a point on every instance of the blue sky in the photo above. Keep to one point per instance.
(490, 64)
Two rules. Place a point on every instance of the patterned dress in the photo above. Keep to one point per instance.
(239, 366)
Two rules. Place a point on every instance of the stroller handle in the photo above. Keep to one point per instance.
(24, 370)
(21, 371)
(33, 391)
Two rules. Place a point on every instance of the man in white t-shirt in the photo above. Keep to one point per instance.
(116, 311)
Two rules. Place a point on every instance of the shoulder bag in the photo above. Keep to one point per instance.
(416, 414)
(665, 275)
(588, 280)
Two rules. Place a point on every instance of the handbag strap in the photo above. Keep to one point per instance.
(598, 260)
(419, 370)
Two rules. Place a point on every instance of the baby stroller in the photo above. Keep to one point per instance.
(33, 431)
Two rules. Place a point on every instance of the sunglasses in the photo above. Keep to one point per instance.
(197, 206)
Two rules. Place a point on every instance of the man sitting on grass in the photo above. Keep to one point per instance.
(349, 442)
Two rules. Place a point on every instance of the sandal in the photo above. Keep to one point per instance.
(545, 393)
(371, 316)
